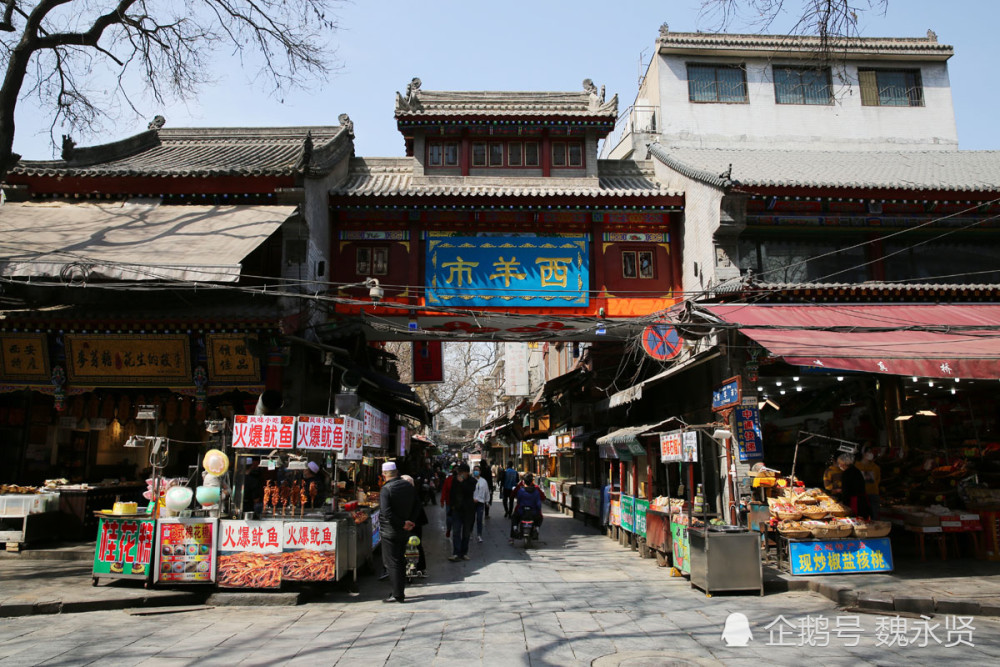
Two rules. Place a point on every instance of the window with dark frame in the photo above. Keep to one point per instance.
(802, 85)
(479, 154)
(363, 265)
(380, 261)
(646, 264)
(496, 154)
(717, 83)
(514, 154)
(890, 87)
(558, 154)
(442, 154)
(531, 154)
(629, 269)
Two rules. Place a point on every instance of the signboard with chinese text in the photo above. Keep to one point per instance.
(348, 430)
(262, 554)
(185, 551)
(230, 359)
(527, 448)
(24, 358)
(402, 440)
(746, 432)
(317, 433)
(263, 432)
(124, 547)
(564, 441)
(376, 426)
(680, 547)
(428, 362)
(508, 271)
(615, 513)
(309, 551)
(840, 556)
(515, 369)
(111, 360)
(670, 446)
(628, 513)
(727, 394)
(641, 505)
(689, 447)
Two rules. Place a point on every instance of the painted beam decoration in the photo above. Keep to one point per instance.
(552, 271)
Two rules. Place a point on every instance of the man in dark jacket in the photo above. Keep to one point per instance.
(507, 488)
(396, 509)
(463, 512)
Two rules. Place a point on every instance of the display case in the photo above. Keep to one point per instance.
(725, 558)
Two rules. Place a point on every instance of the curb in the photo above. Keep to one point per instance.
(81, 606)
(845, 596)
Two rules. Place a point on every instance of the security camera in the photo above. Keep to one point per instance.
(375, 291)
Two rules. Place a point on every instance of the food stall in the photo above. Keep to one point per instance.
(298, 536)
(27, 514)
(124, 544)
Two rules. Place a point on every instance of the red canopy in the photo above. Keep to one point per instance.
(925, 340)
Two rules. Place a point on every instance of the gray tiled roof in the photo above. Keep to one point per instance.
(382, 177)
(946, 170)
(180, 152)
(506, 103)
(924, 47)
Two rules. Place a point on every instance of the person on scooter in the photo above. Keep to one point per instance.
(528, 495)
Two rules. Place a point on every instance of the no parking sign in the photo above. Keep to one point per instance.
(661, 341)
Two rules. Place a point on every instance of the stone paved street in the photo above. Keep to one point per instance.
(576, 598)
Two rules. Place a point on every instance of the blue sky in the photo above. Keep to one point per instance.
(528, 45)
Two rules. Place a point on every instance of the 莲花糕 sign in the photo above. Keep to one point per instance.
(24, 358)
(230, 359)
(550, 271)
(159, 360)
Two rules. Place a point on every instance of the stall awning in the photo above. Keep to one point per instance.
(627, 439)
(634, 393)
(132, 240)
(924, 340)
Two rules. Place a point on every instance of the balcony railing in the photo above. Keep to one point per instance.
(634, 120)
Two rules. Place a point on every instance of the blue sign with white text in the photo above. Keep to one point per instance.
(550, 271)
(746, 432)
(841, 556)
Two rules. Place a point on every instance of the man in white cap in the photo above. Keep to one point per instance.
(396, 502)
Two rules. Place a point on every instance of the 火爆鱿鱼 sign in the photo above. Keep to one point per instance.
(263, 432)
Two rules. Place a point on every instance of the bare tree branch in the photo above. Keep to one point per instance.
(164, 50)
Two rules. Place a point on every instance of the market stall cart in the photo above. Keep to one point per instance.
(725, 558)
(27, 516)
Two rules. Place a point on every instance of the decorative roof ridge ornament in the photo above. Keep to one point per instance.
(411, 102)
(597, 102)
(348, 125)
(157, 122)
(664, 30)
(307, 152)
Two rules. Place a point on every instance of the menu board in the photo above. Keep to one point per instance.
(349, 431)
(628, 513)
(185, 551)
(124, 547)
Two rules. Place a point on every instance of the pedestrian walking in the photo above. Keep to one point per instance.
(487, 474)
(446, 501)
(507, 489)
(396, 507)
(481, 497)
(463, 512)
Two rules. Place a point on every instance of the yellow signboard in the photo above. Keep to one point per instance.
(230, 359)
(24, 357)
(128, 360)
(527, 448)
